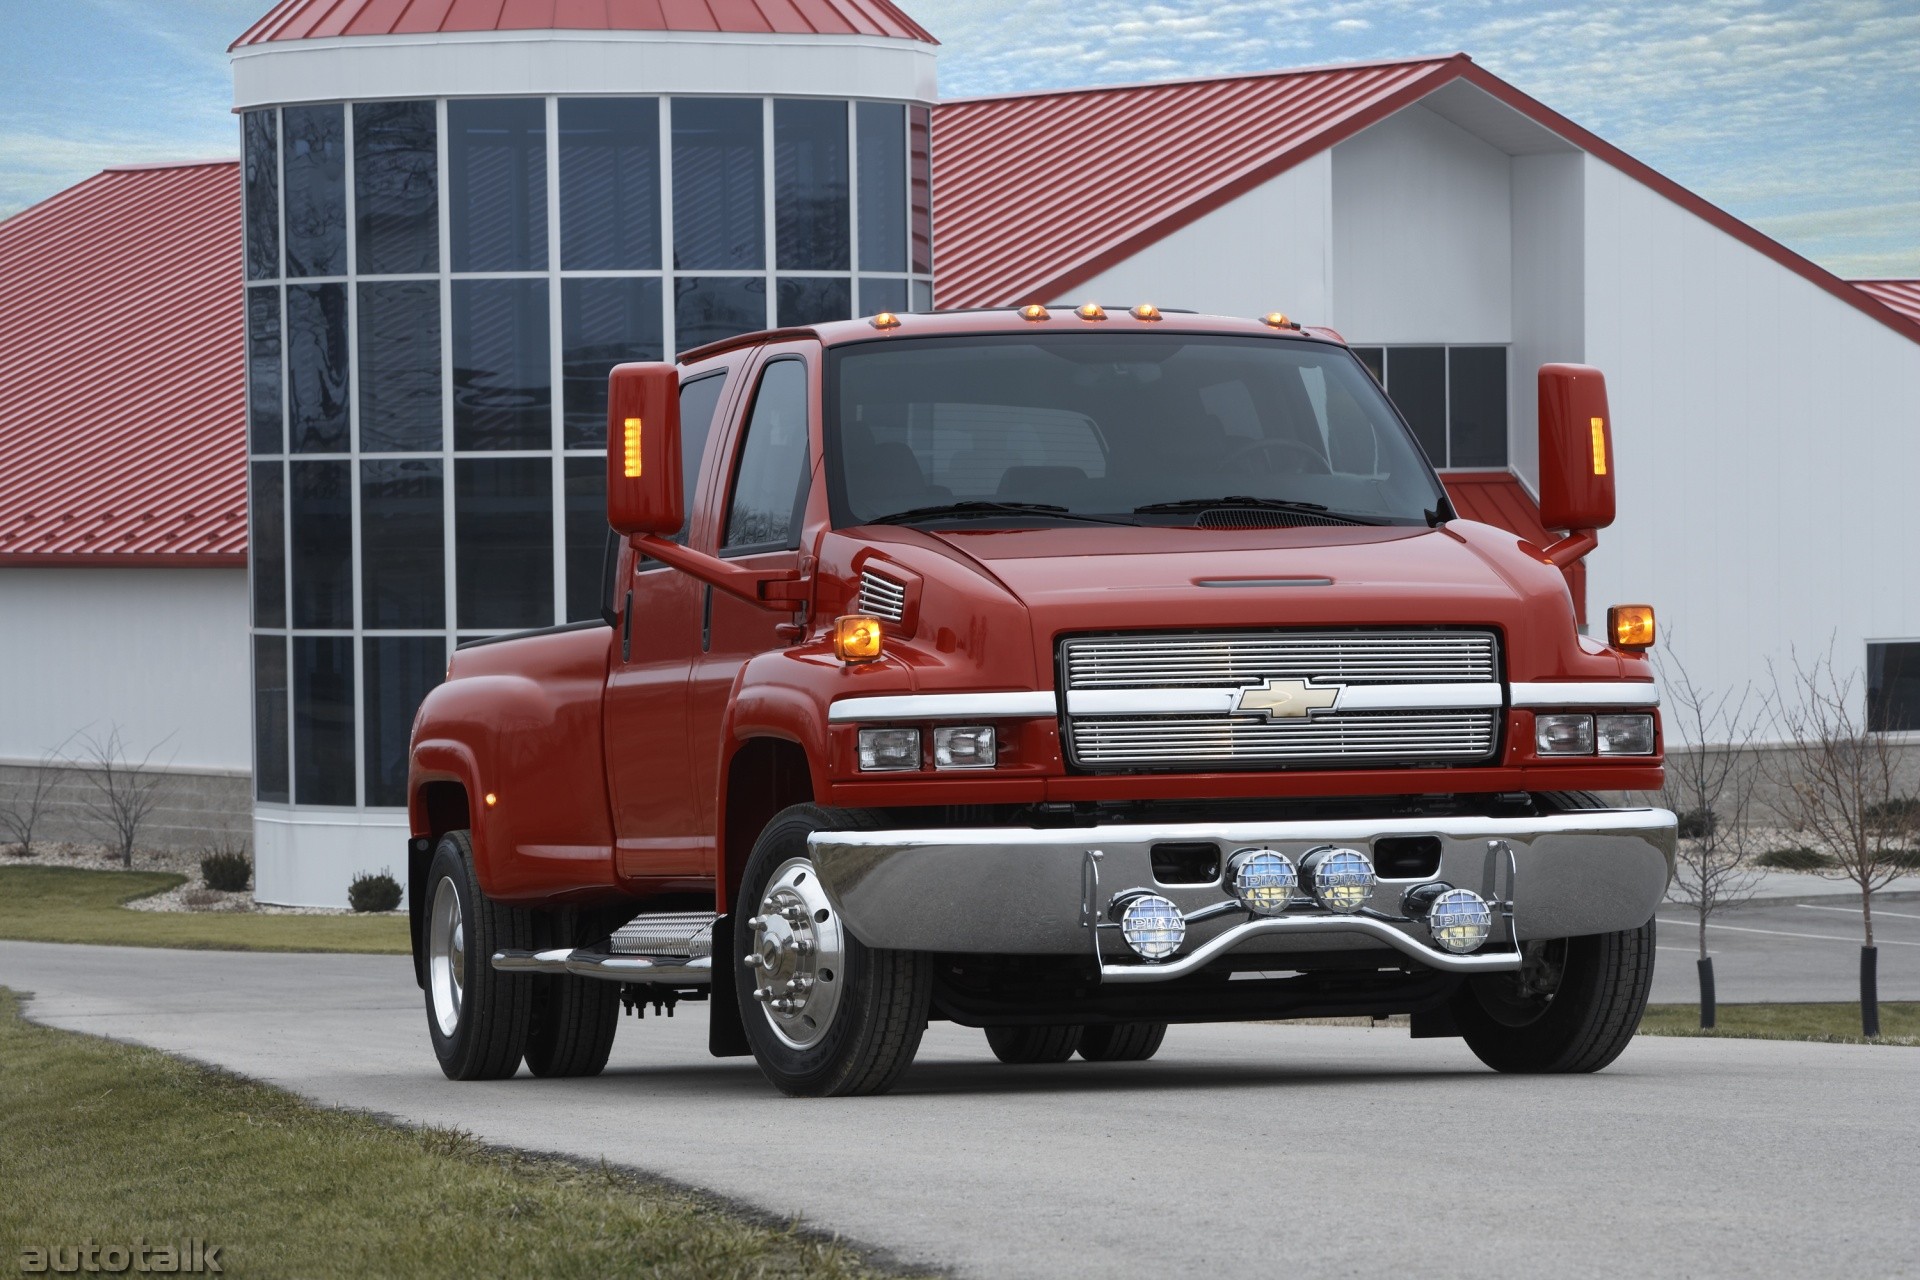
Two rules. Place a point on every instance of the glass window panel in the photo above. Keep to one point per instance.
(603, 323)
(400, 367)
(400, 671)
(497, 166)
(402, 566)
(770, 490)
(699, 406)
(1375, 358)
(503, 541)
(1417, 381)
(707, 310)
(586, 537)
(922, 296)
(268, 544)
(882, 294)
(719, 219)
(811, 218)
(270, 719)
(1893, 687)
(262, 199)
(610, 184)
(320, 510)
(323, 720)
(396, 187)
(920, 160)
(317, 368)
(810, 300)
(883, 188)
(502, 377)
(1477, 399)
(316, 190)
(264, 428)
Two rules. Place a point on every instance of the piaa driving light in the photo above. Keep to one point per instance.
(1339, 879)
(1262, 880)
(1625, 735)
(858, 637)
(1152, 926)
(1630, 626)
(889, 750)
(1459, 921)
(965, 747)
(1563, 735)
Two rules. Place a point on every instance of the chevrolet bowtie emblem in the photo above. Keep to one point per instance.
(1287, 699)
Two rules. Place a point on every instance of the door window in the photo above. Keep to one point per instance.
(770, 488)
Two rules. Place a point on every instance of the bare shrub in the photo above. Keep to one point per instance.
(125, 792)
(21, 818)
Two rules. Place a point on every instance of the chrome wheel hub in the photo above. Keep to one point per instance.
(797, 949)
(446, 956)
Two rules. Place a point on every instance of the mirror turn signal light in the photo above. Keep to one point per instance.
(1630, 626)
(857, 637)
(631, 440)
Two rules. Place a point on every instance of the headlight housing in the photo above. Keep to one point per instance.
(889, 750)
(1625, 735)
(1563, 735)
(965, 747)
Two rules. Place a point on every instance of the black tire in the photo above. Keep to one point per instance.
(1024, 1046)
(573, 1024)
(1577, 1020)
(880, 1008)
(489, 1009)
(1122, 1041)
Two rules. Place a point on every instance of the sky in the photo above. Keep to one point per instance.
(1800, 118)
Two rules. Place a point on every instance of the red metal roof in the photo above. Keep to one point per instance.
(314, 19)
(1038, 193)
(122, 372)
(1499, 499)
(1902, 295)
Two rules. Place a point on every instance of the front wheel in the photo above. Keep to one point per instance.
(825, 1015)
(1572, 1007)
(476, 1015)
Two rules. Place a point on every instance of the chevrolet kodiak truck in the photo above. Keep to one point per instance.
(1066, 674)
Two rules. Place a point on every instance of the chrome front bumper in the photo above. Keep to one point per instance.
(1021, 891)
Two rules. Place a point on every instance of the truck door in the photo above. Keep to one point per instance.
(761, 526)
(658, 824)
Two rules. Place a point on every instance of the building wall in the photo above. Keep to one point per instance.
(1766, 446)
(1549, 290)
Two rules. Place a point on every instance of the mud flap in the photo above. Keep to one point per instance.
(726, 1036)
(419, 858)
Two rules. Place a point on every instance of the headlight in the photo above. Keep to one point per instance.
(1560, 735)
(1339, 879)
(1625, 735)
(1152, 926)
(1261, 880)
(889, 750)
(965, 747)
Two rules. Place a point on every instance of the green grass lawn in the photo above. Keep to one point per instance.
(110, 1142)
(70, 904)
(1826, 1023)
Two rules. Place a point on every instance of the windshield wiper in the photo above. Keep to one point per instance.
(1258, 504)
(978, 509)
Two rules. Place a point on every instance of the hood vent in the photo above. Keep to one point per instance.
(1230, 517)
(881, 596)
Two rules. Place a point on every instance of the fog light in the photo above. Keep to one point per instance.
(1152, 926)
(968, 747)
(884, 750)
(1563, 735)
(1625, 735)
(1459, 921)
(1339, 879)
(1261, 880)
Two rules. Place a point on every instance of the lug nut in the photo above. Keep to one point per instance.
(755, 922)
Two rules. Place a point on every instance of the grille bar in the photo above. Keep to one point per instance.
(882, 596)
(1224, 660)
(1421, 737)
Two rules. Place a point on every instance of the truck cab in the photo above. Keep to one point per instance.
(1068, 674)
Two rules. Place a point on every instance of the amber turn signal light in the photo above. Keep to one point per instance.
(1631, 626)
(857, 638)
(632, 442)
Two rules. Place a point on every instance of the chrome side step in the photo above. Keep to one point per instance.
(680, 933)
(666, 971)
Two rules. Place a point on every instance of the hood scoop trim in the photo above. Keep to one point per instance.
(1263, 582)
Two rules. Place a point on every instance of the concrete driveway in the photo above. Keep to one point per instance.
(1240, 1151)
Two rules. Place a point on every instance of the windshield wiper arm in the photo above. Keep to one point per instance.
(978, 509)
(1258, 504)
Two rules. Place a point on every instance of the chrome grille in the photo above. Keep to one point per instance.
(1373, 657)
(881, 596)
(1149, 736)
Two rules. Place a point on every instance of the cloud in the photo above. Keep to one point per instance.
(1352, 24)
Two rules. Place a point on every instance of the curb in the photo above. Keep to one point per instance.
(1811, 899)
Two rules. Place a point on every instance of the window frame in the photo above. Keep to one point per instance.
(743, 430)
(1446, 350)
(1905, 733)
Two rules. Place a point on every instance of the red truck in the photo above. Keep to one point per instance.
(1062, 673)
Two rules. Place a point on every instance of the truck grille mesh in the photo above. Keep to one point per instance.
(1369, 737)
(1378, 657)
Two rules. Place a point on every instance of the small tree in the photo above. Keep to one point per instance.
(125, 793)
(1710, 784)
(1843, 785)
(21, 818)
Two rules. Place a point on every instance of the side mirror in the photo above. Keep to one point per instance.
(643, 450)
(1576, 448)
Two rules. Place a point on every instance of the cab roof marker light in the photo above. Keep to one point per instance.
(1091, 311)
(886, 320)
(1033, 311)
(1146, 311)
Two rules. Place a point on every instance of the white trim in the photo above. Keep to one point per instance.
(1618, 693)
(574, 63)
(1476, 696)
(942, 706)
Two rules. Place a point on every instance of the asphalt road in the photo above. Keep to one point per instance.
(1790, 952)
(1239, 1151)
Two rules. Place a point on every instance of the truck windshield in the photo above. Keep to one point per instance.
(1130, 428)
